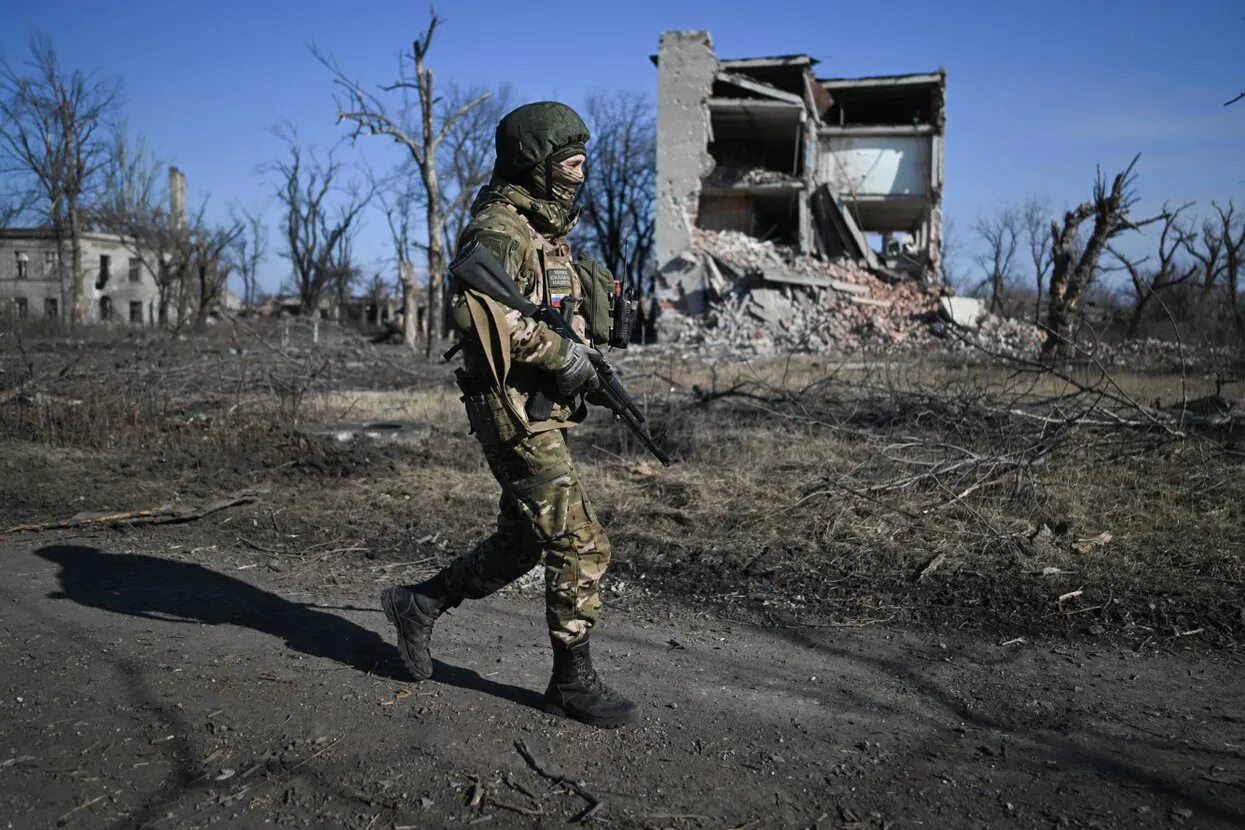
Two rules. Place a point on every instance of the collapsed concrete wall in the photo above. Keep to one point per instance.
(767, 298)
(763, 147)
(761, 162)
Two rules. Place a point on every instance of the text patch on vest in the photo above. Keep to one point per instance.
(560, 285)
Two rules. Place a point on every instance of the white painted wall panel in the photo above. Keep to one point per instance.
(874, 165)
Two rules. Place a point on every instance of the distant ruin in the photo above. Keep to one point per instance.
(763, 147)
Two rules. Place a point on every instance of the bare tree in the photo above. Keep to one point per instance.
(1209, 255)
(415, 126)
(1231, 232)
(133, 178)
(1169, 271)
(469, 148)
(13, 206)
(210, 263)
(52, 123)
(134, 207)
(148, 234)
(620, 188)
(1035, 221)
(248, 251)
(399, 196)
(319, 210)
(377, 289)
(1000, 235)
(1073, 271)
(344, 275)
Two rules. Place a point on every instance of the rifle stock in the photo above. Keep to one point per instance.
(478, 269)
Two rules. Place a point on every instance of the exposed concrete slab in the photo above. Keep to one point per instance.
(783, 277)
(965, 312)
(769, 306)
(761, 89)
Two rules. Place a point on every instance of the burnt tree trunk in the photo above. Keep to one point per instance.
(372, 118)
(1064, 290)
(1072, 275)
(410, 303)
(434, 314)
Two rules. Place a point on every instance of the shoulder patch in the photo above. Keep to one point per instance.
(503, 246)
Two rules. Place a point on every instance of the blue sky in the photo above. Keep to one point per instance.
(1039, 93)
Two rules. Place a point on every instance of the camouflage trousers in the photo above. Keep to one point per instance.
(544, 516)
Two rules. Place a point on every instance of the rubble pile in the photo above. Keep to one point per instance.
(766, 297)
(1000, 335)
(723, 175)
(1151, 353)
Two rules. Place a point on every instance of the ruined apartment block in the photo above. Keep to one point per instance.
(763, 146)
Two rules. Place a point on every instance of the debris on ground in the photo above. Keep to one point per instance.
(767, 297)
(165, 514)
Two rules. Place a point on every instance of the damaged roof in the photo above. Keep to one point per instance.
(936, 77)
(770, 60)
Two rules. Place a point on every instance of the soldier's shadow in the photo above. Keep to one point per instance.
(154, 588)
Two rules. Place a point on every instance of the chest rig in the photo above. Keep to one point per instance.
(561, 288)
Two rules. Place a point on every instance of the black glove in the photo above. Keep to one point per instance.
(577, 374)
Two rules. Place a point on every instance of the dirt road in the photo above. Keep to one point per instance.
(173, 688)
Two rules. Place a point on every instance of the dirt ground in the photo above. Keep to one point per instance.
(883, 657)
(159, 683)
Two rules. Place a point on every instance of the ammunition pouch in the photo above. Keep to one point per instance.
(490, 420)
(608, 312)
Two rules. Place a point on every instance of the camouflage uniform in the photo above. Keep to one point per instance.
(520, 385)
(544, 515)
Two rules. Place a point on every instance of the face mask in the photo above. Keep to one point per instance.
(565, 183)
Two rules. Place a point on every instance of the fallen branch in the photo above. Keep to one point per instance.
(594, 804)
(167, 514)
(931, 567)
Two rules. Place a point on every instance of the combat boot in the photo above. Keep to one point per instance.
(413, 609)
(575, 691)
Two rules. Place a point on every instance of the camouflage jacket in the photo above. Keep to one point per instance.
(517, 354)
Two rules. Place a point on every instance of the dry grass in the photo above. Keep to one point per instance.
(807, 489)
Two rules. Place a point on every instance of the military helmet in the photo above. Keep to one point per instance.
(532, 133)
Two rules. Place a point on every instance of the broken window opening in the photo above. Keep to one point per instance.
(136, 312)
(783, 72)
(22, 307)
(51, 309)
(748, 148)
(774, 218)
(882, 103)
(105, 271)
(105, 309)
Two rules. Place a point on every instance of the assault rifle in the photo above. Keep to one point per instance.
(478, 269)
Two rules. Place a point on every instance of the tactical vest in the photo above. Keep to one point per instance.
(556, 282)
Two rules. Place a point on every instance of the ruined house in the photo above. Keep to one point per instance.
(819, 167)
(121, 283)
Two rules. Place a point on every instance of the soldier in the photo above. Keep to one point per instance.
(522, 386)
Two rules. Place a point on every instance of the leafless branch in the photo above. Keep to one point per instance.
(321, 213)
(1000, 235)
(52, 141)
(414, 127)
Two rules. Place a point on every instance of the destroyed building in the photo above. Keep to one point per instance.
(794, 210)
(121, 282)
(763, 147)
